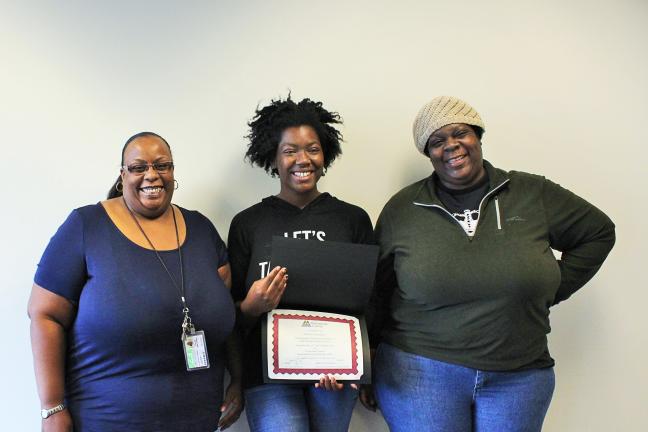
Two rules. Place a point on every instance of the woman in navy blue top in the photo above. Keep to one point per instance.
(112, 292)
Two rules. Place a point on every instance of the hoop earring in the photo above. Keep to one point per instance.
(324, 172)
(119, 187)
(177, 185)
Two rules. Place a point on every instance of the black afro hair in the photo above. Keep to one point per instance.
(270, 121)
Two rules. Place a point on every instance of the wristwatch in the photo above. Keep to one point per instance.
(46, 412)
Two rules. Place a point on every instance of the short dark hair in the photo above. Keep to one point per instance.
(478, 131)
(270, 121)
(114, 192)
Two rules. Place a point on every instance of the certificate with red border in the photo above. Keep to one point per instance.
(304, 345)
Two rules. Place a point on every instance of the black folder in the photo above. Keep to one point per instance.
(326, 275)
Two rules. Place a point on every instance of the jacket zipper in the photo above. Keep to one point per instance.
(443, 209)
(499, 224)
(499, 220)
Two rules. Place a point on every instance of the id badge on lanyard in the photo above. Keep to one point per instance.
(194, 346)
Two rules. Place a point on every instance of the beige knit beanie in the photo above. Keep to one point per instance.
(439, 112)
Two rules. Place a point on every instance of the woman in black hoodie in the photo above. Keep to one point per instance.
(296, 141)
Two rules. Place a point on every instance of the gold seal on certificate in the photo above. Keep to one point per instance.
(304, 345)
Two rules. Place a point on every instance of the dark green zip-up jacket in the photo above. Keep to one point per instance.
(483, 302)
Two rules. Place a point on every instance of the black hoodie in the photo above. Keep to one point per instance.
(250, 241)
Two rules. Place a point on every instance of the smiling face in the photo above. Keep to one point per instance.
(455, 152)
(148, 194)
(299, 162)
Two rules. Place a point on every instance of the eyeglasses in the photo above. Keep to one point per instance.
(160, 167)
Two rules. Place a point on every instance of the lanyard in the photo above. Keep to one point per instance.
(187, 325)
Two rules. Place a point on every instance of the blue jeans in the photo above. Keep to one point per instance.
(298, 408)
(416, 393)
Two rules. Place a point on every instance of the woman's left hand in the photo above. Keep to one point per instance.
(232, 405)
(328, 382)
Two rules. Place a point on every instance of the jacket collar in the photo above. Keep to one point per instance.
(426, 194)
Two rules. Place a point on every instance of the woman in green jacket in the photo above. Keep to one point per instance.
(466, 280)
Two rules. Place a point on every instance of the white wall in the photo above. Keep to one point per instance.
(561, 85)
